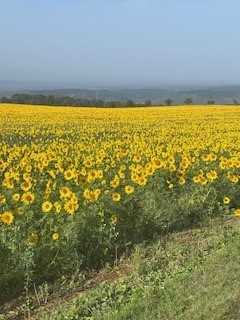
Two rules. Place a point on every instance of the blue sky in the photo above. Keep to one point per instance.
(120, 42)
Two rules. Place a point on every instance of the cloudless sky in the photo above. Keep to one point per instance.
(120, 42)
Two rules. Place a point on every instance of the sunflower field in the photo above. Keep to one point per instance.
(81, 186)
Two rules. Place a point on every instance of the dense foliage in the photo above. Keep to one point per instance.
(61, 100)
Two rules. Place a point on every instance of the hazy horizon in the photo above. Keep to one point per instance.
(13, 86)
(127, 43)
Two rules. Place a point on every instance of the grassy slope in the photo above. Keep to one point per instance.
(189, 275)
(210, 290)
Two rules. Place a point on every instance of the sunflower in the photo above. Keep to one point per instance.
(33, 238)
(69, 174)
(26, 185)
(91, 195)
(20, 211)
(116, 197)
(114, 219)
(70, 207)
(8, 183)
(47, 206)
(65, 192)
(226, 200)
(7, 217)
(16, 197)
(28, 198)
(181, 181)
(129, 189)
(57, 205)
(99, 174)
(55, 236)
(2, 199)
(237, 212)
(115, 182)
(92, 175)
(141, 180)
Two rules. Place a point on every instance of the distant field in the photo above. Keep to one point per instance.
(79, 187)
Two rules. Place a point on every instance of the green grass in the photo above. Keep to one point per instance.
(193, 274)
(202, 290)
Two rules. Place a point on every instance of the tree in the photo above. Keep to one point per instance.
(169, 102)
(211, 102)
(130, 103)
(4, 100)
(188, 101)
(148, 103)
(57, 100)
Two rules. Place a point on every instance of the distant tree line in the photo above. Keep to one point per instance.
(39, 99)
(57, 100)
